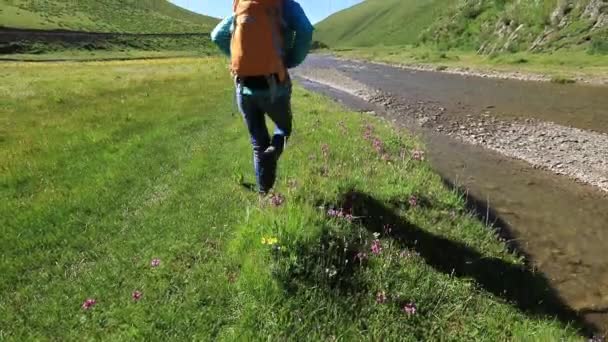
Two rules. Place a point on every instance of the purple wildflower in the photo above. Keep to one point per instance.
(410, 309)
(378, 145)
(376, 247)
(89, 303)
(155, 262)
(277, 200)
(413, 201)
(341, 214)
(333, 213)
(381, 297)
(136, 295)
(361, 256)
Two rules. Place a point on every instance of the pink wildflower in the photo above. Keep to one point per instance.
(155, 262)
(89, 303)
(413, 201)
(381, 297)
(341, 214)
(378, 145)
(376, 247)
(410, 309)
(277, 200)
(418, 155)
(136, 295)
(333, 213)
(361, 256)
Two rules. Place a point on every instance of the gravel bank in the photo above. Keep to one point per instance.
(505, 75)
(579, 154)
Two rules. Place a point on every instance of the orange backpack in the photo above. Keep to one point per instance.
(257, 40)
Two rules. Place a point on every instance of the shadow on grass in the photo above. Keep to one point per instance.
(529, 291)
(330, 261)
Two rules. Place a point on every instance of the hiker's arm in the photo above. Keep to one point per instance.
(297, 22)
(222, 34)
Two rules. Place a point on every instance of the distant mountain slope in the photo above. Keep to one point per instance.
(128, 16)
(387, 22)
(488, 26)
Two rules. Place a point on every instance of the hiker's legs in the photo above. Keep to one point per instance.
(280, 112)
(254, 118)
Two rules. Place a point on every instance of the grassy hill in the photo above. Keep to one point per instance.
(487, 26)
(387, 22)
(119, 18)
(125, 16)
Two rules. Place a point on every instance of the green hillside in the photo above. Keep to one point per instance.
(490, 26)
(128, 16)
(388, 22)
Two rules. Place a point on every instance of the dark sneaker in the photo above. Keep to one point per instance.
(270, 152)
(269, 159)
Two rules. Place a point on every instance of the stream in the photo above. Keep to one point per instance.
(477, 134)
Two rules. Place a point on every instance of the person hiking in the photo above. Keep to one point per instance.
(265, 38)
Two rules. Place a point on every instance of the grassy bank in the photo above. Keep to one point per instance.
(121, 184)
(99, 55)
(134, 16)
(88, 47)
(568, 65)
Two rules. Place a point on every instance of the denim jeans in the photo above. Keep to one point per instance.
(254, 108)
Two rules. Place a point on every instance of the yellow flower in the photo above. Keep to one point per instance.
(269, 241)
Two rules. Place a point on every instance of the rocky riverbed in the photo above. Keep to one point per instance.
(579, 154)
(488, 73)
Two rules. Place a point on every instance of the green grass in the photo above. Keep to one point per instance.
(133, 16)
(380, 22)
(106, 166)
(120, 46)
(99, 55)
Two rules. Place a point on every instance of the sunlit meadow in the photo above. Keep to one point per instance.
(124, 216)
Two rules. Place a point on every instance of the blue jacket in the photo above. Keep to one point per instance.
(298, 35)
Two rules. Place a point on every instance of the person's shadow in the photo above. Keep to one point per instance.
(530, 291)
